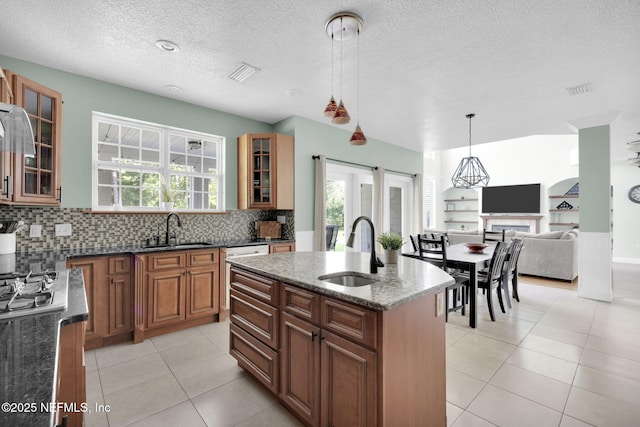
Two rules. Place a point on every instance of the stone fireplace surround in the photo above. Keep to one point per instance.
(517, 221)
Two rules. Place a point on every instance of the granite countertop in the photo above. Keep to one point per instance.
(399, 283)
(29, 356)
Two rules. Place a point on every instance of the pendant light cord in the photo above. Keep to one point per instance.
(341, 37)
(358, 71)
(332, 65)
(470, 135)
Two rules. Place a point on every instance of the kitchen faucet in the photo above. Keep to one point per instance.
(167, 239)
(374, 263)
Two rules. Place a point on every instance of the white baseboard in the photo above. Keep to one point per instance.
(626, 260)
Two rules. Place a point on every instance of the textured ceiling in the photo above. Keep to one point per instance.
(423, 64)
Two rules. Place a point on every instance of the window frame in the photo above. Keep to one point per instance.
(163, 169)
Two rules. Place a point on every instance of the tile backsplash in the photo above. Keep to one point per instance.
(116, 230)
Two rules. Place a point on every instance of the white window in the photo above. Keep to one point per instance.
(398, 206)
(429, 185)
(131, 160)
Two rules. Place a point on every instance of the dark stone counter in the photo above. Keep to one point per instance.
(29, 355)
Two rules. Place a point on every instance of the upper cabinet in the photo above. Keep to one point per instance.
(27, 179)
(265, 171)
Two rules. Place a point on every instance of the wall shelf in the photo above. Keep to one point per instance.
(461, 207)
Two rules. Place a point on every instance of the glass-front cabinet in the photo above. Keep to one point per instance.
(36, 179)
(265, 171)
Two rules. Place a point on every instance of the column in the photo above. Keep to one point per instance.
(595, 274)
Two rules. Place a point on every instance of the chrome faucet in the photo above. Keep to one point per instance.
(374, 263)
(167, 238)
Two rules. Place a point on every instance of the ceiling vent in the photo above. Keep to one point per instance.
(580, 89)
(243, 72)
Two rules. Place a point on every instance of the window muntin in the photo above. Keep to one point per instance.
(131, 160)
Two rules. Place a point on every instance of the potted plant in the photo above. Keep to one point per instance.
(391, 243)
(168, 195)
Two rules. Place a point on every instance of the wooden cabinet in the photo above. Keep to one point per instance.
(265, 171)
(35, 180)
(71, 375)
(94, 273)
(175, 290)
(109, 292)
(120, 295)
(335, 363)
(326, 379)
(282, 247)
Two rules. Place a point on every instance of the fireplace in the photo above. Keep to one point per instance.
(512, 222)
(514, 227)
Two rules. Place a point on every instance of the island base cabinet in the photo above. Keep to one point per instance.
(254, 357)
(326, 380)
(71, 377)
(300, 370)
(348, 383)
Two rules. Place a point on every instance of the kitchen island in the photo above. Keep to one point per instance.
(343, 355)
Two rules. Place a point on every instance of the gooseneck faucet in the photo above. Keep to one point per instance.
(167, 238)
(374, 263)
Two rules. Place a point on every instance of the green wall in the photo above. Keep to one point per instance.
(314, 138)
(595, 179)
(83, 95)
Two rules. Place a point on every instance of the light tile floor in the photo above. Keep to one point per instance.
(553, 360)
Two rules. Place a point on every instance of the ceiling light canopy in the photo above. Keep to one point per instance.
(470, 172)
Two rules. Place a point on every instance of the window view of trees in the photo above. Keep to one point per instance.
(133, 161)
(335, 209)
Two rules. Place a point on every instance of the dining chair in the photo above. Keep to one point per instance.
(493, 278)
(510, 269)
(492, 236)
(434, 251)
(332, 237)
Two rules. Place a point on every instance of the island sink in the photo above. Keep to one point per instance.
(349, 279)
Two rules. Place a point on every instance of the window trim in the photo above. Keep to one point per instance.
(164, 170)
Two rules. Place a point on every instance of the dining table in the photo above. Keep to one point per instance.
(459, 257)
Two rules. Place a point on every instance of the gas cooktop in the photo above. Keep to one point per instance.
(27, 294)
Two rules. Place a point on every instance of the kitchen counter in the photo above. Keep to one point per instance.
(41, 260)
(399, 283)
(29, 356)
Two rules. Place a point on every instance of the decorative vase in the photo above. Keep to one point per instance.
(391, 256)
(168, 206)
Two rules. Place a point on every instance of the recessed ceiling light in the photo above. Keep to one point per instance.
(167, 46)
(293, 92)
(173, 88)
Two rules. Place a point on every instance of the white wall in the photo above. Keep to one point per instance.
(520, 161)
(547, 159)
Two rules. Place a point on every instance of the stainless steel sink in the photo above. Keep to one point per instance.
(349, 279)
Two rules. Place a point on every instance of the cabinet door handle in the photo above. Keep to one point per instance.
(184, 273)
(313, 335)
(60, 191)
(8, 184)
(321, 337)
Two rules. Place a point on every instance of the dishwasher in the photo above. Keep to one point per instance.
(236, 252)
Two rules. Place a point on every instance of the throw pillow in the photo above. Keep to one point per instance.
(549, 235)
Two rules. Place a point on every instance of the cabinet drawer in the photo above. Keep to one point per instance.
(256, 317)
(255, 357)
(302, 303)
(119, 264)
(167, 261)
(203, 257)
(351, 321)
(259, 287)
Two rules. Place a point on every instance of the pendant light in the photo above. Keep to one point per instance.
(341, 116)
(358, 138)
(470, 172)
(341, 26)
(331, 108)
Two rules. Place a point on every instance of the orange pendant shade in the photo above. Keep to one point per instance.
(330, 111)
(342, 115)
(358, 137)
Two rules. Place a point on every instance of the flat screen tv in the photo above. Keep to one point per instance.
(511, 199)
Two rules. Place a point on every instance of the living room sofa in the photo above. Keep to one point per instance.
(552, 255)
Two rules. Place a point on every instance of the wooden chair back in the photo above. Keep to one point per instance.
(497, 263)
(492, 236)
(433, 251)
